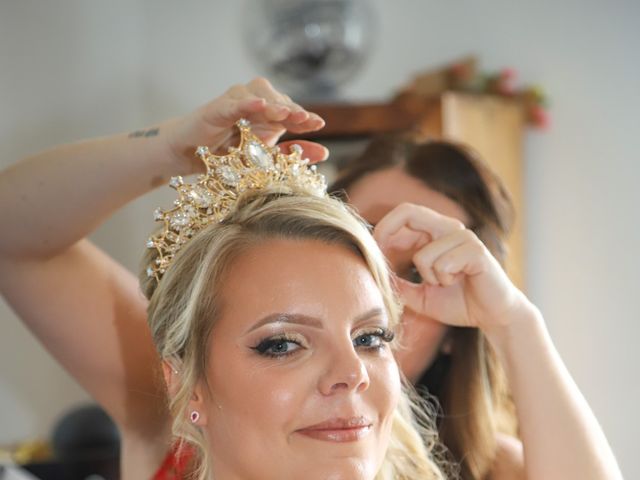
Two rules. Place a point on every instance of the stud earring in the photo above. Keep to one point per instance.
(194, 416)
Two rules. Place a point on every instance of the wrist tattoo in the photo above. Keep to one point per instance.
(152, 132)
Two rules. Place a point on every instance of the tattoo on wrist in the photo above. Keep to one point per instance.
(152, 132)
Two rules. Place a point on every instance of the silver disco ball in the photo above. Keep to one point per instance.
(310, 47)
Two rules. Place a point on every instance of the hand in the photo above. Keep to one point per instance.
(270, 112)
(463, 284)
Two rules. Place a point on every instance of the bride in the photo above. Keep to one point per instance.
(272, 311)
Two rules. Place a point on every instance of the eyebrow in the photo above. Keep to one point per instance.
(300, 319)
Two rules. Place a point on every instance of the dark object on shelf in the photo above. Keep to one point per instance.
(86, 444)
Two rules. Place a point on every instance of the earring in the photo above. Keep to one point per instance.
(194, 416)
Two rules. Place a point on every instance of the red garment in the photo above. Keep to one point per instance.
(176, 464)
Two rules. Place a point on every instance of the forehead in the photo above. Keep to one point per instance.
(379, 192)
(297, 276)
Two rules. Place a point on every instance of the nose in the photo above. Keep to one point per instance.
(345, 372)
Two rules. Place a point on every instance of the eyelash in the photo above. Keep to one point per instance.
(263, 348)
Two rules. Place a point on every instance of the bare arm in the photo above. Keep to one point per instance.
(87, 311)
(82, 305)
(59, 196)
(560, 434)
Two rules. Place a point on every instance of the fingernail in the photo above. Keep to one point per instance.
(319, 119)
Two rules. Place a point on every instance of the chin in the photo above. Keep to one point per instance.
(345, 469)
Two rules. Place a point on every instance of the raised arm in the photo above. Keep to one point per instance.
(59, 196)
(83, 306)
(465, 286)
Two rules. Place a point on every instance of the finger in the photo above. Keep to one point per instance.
(467, 259)
(446, 278)
(301, 115)
(317, 120)
(276, 112)
(236, 92)
(262, 87)
(224, 112)
(311, 150)
(412, 295)
(417, 218)
(406, 240)
(298, 119)
(428, 275)
(298, 115)
(425, 258)
(251, 105)
(311, 124)
(295, 113)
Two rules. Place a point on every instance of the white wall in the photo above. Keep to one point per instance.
(73, 69)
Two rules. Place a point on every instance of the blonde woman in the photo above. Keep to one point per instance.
(92, 318)
(274, 323)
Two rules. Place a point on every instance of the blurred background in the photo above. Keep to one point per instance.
(74, 69)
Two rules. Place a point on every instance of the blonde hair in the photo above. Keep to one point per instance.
(184, 306)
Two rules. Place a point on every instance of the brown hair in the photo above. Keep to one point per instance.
(468, 382)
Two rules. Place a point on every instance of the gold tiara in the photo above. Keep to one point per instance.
(252, 165)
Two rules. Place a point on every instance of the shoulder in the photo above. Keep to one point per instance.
(509, 462)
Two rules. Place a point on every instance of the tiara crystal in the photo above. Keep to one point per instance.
(251, 165)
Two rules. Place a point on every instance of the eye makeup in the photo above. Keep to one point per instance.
(279, 346)
(373, 339)
(284, 345)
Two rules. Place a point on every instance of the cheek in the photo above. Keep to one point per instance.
(384, 395)
(254, 408)
(419, 343)
(385, 385)
(259, 394)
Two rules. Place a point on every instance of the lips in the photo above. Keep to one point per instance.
(339, 429)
